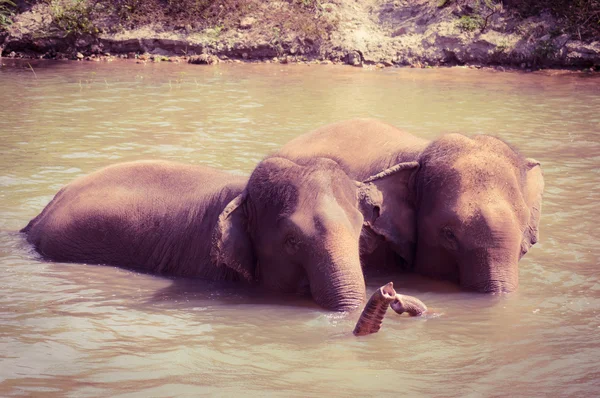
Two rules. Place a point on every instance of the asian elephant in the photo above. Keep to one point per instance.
(461, 209)
(290, 226)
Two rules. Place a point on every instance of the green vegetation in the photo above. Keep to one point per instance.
(73, 17)
(502, 48)
(276, 40)
(314, 4)
(478, 13)
(577, 18)
(470, 23)
(545, 50)
(7, 10)
(471, 3)
(306, 19)
(177, 11)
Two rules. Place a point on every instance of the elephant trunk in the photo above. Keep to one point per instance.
(337, 283)
(342, 291)
(495, 286)
(372, 316)
(335, 273)
(412, 305)
(492, 271)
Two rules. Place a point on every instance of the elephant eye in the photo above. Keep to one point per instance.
(449, 238)
(448, 234)
(292, 241)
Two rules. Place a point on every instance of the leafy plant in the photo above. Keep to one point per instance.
(544, 50)
(191, 7)
(502, 47)
(276, 41)
(470, 23)
(7, 11)
(314, 4)
(474, 3)
(73, 17)
(578, 18)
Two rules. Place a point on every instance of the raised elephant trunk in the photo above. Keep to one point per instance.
(372, 316)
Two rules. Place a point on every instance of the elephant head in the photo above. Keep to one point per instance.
(466, 211)
(388, 206)
(296, 226)
(478, 204)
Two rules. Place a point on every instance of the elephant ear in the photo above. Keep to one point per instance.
(387, 201)
(231, 244)
(534, 188)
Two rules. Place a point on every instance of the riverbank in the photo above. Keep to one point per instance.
(419, 33)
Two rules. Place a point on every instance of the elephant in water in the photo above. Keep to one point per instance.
(458, 208)
(292, 226)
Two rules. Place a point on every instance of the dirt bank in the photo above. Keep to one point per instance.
(357, 32)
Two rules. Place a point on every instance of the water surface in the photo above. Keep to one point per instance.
(78, 330)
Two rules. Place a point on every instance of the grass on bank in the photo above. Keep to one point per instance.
(578, 18)
(7, 11)
(306, 19)
(74, 17)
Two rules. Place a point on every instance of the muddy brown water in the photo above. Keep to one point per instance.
(78, 330)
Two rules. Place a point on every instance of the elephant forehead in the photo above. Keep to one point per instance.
(485, 171)
(490, 219)
(321, 214)
(477, 209)
(324, 187)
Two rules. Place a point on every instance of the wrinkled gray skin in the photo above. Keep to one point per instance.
(461, 209)
(291, 227)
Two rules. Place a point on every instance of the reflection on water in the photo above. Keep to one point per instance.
(79, 330)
